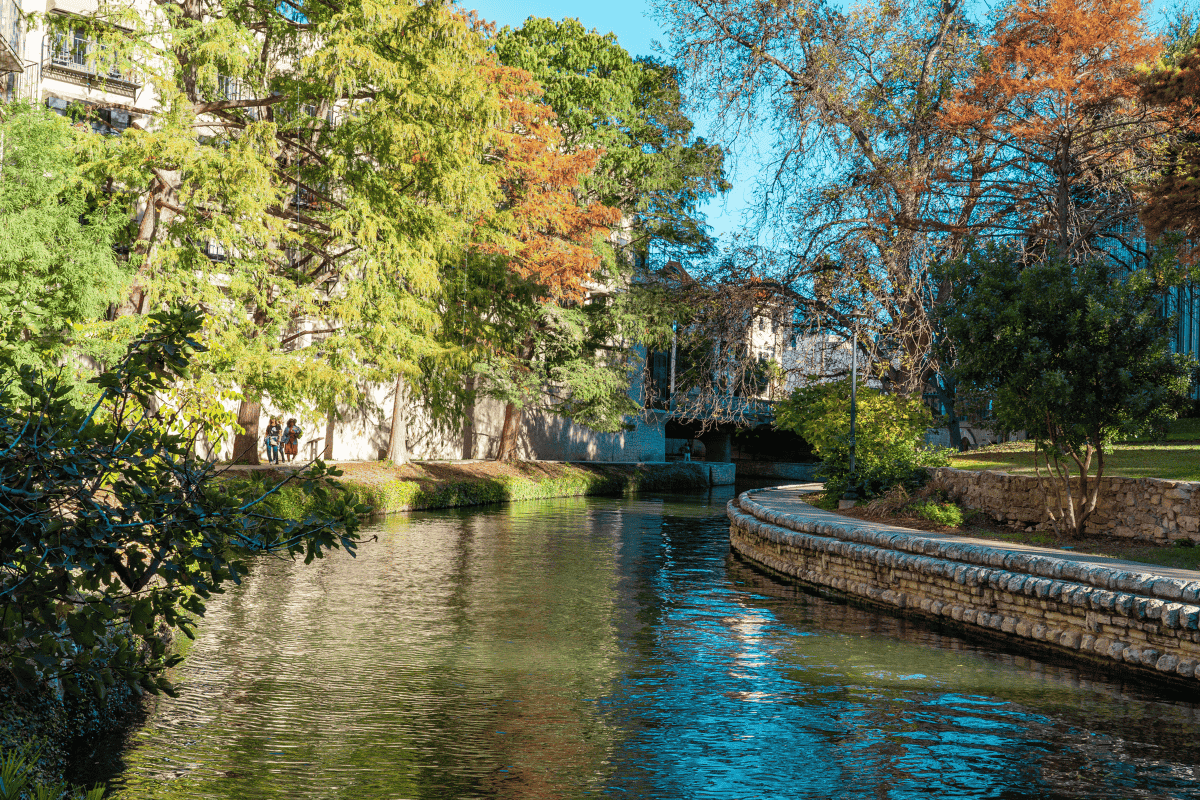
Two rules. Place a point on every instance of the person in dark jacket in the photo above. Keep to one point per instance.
(271, 440)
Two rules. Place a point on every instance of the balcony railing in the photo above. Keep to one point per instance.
(12, 36)
(73, 58)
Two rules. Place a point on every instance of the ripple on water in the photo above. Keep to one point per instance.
(610, 647)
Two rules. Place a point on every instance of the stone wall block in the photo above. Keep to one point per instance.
(1166, 663)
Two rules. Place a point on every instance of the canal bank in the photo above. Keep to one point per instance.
(428, 485)
(1136, 617)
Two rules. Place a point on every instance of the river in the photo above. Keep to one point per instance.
(612, 647)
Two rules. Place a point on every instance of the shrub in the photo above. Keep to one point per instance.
(890, 434)
(114, 532)
(939, 513)
(19, 780)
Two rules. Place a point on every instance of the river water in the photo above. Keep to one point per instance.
(611, 647)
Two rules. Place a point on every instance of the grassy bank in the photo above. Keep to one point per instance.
(436, 484)
(1175, 457)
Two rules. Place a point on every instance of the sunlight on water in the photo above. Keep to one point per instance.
(612, 647)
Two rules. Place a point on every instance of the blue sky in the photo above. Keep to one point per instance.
(637, 31)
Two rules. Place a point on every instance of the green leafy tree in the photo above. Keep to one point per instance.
(1073, 354)
(110, 524)
(57, 265)
(309, 168)
(889, 436)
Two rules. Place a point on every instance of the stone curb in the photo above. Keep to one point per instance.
(1079, 588)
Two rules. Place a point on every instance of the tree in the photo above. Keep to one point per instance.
(1172, 87)
(110, 523)
(311, 166)
(1056, 96)
(847, 102)
(526, 277)
(622, 118)
(1074, 353)
(57, 265)
(653, 168)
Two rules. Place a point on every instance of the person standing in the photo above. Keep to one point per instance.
(271, 440)
(291, 440)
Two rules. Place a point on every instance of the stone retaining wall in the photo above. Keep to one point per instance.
(1138, 508)
(793, 470)
(1143, 621)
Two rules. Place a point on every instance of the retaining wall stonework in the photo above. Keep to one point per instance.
(1086, 607)
(1138, 508)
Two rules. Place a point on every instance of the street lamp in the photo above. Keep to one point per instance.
(850, 497)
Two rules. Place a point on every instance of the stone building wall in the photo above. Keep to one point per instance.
(1137, 508)
(361, 434)
(1082, 607)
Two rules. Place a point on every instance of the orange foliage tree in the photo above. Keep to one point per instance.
(526, 294)
(1056, 94)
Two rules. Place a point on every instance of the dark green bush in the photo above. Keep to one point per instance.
(114, 532)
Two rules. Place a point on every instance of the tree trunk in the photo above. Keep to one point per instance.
(245, 444)
(468, 431)
(330, 420)
(507, 450)
(398, 437)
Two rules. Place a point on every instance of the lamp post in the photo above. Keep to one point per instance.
(851, 497)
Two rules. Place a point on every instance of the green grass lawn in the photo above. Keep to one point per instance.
(1175, 458)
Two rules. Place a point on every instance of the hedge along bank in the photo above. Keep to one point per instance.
(386, 494)
(1086, 607)
(1136, 508)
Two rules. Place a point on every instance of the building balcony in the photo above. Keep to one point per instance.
(12, 37)
(74, 59)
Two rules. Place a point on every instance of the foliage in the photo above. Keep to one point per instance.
(1055, 96)
(57, 265)
(111, 525)
(551, 233)
(554, 315)
(524, 298)
(18, 781)
(889, 436)
(947, 514)
(1172, 85)
(1073, 354)
(308, 169)
(630, 111)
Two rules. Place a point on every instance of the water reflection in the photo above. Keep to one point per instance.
(611, 647)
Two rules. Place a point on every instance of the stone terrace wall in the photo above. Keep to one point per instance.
(1138, 508)
(1145, 622)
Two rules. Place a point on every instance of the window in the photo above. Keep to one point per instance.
(105, 120)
